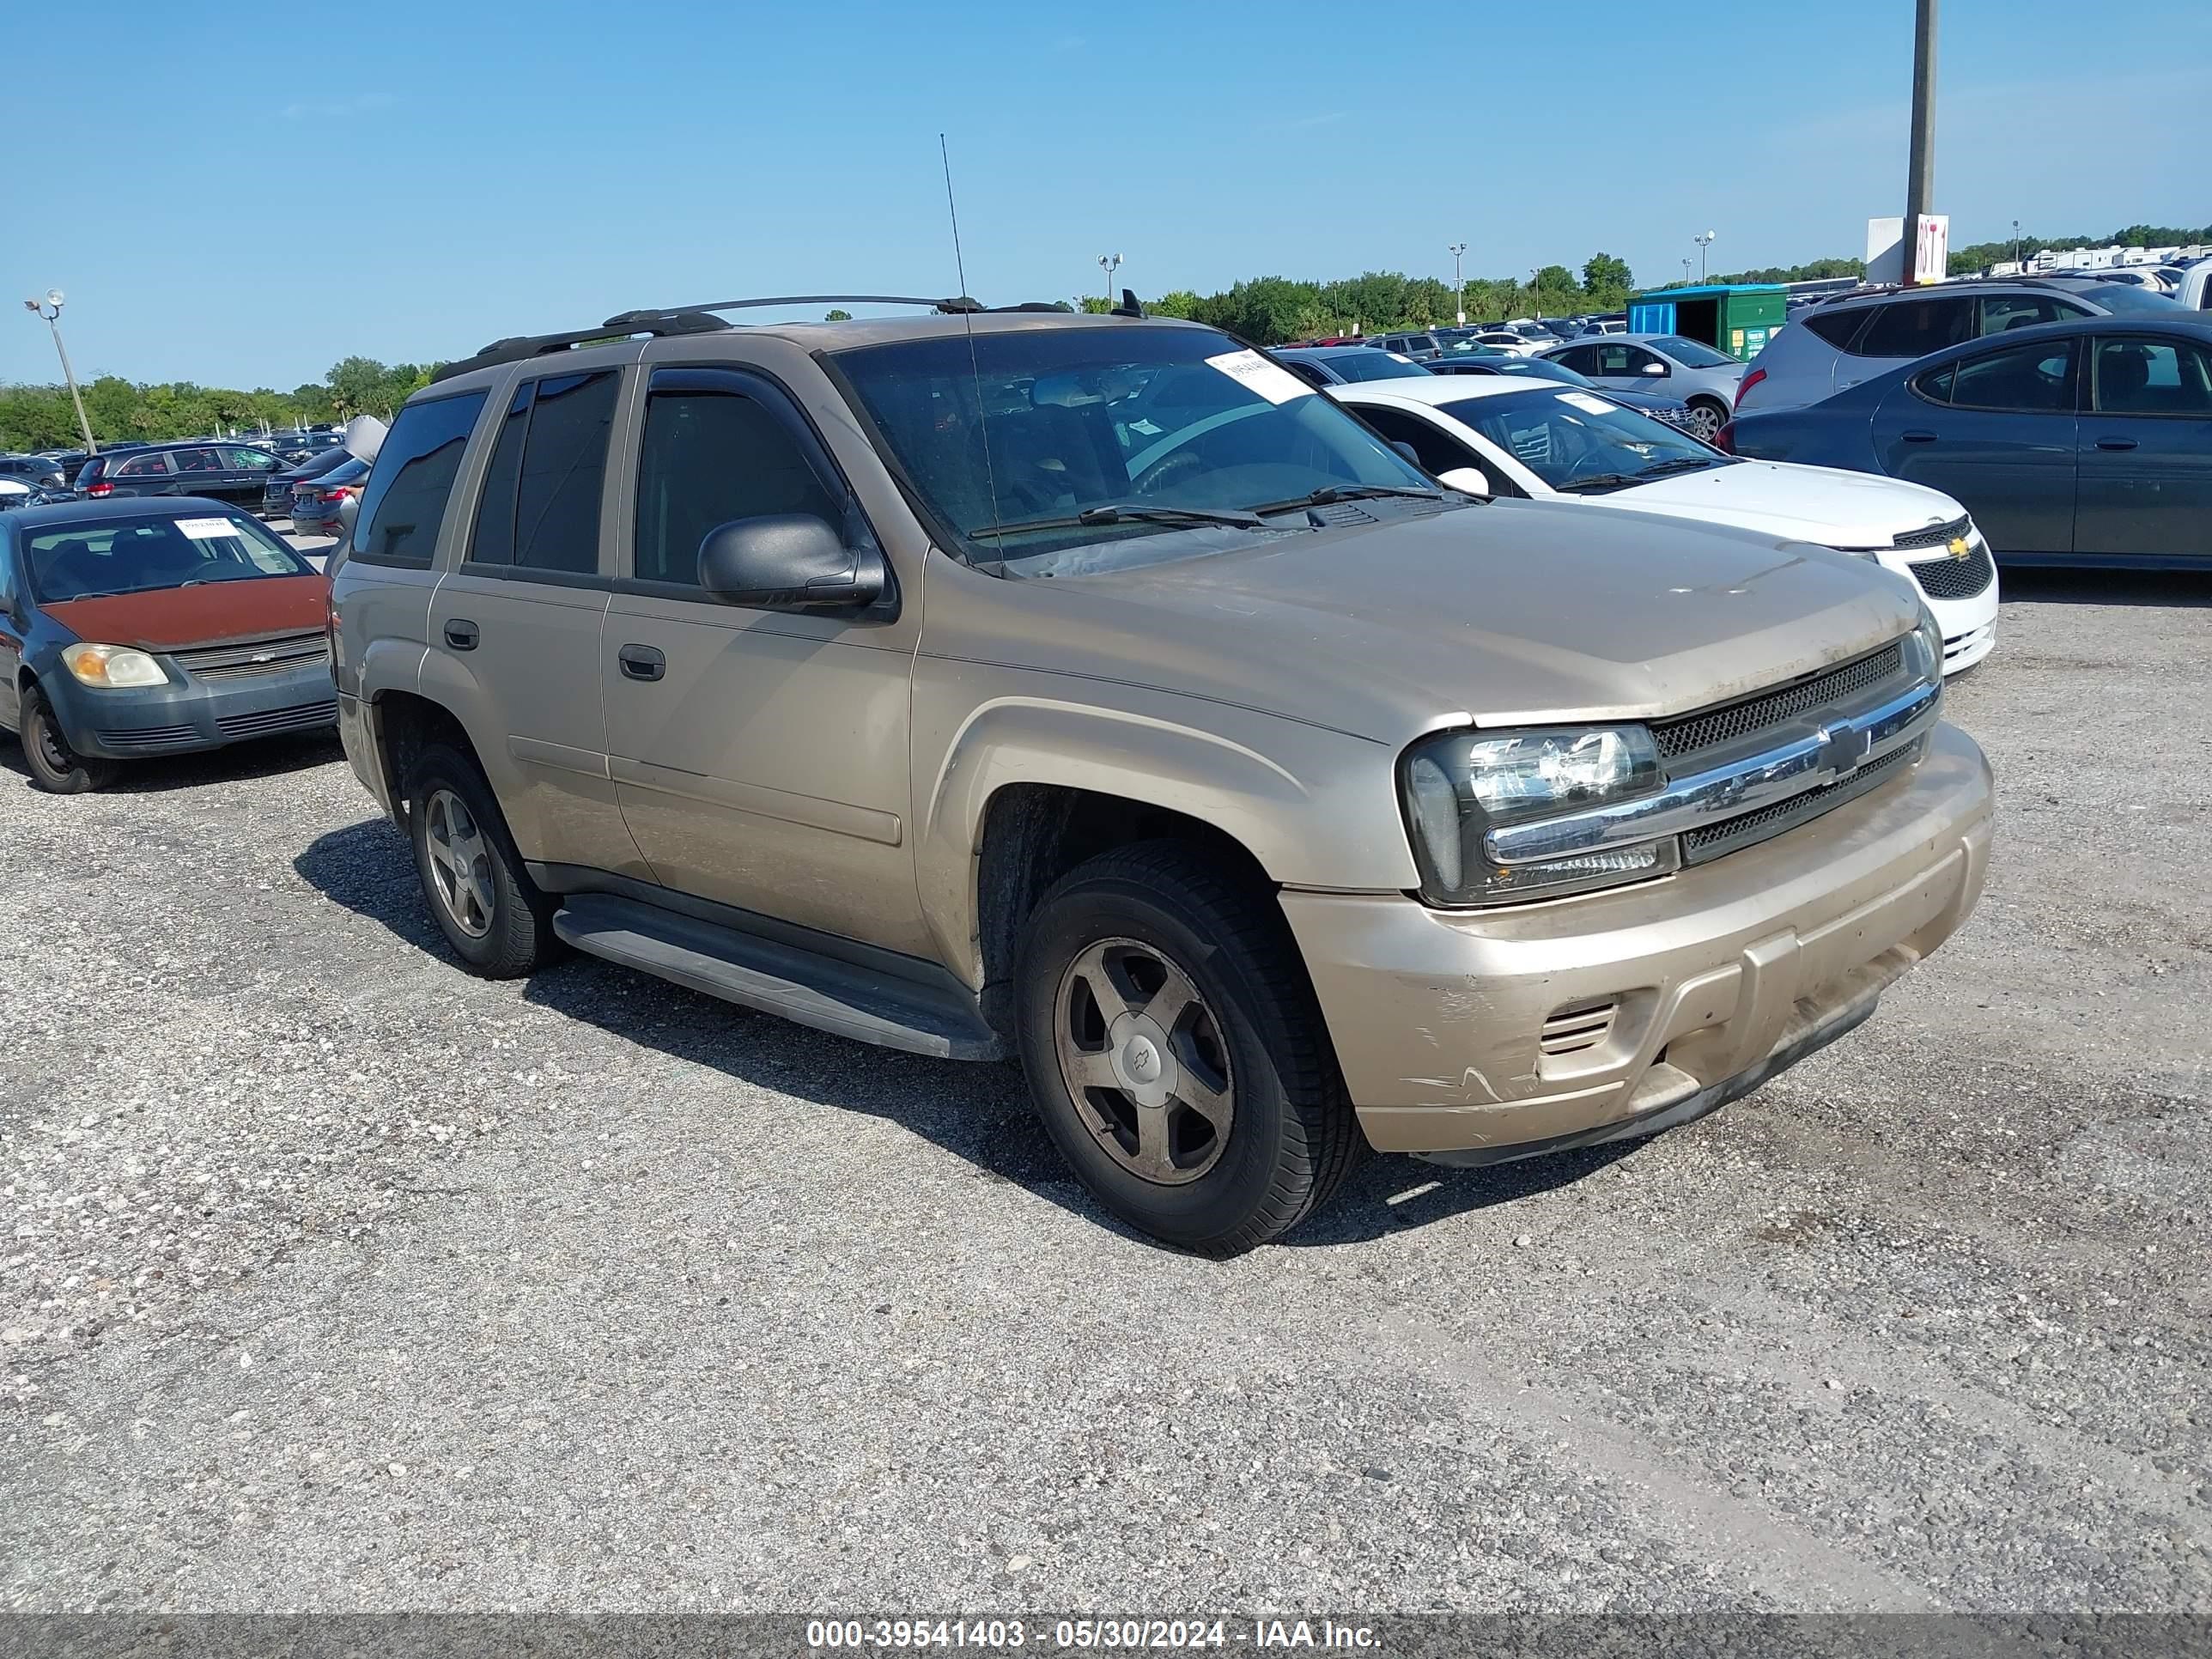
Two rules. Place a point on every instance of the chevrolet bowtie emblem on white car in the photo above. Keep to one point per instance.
(1958, 547)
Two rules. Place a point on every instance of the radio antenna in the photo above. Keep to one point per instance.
(968, 320)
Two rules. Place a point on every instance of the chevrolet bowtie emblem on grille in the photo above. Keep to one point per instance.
(1958, 547)
(1845, 747)
(265, 656)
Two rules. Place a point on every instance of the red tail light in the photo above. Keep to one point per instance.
(96, 490)
(1724, 440)
(1747, 383)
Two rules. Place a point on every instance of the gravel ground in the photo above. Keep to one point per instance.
(332, 1277)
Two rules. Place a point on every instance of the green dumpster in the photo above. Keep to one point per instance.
(1737, 318)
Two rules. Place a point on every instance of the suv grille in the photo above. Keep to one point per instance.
(1954, 579)
(1738, 720)
(1934, 535)
(1700, 845)
(232, 662)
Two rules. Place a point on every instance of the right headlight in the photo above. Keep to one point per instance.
(1456, 786)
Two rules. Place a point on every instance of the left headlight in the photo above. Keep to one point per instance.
(113, 665)
(1456, 786)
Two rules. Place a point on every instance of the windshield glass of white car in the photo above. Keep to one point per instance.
(1694, 354)
(1580, 443)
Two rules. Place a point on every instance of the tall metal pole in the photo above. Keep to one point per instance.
(1459, 286)
(1920, 171)
(51, 309)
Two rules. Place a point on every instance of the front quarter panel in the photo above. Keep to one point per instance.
(1315, 808)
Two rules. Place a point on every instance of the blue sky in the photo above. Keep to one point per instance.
(469, 172)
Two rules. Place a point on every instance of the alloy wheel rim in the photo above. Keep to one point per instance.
(1703, 421)
(1145, 1060)
(461, 862)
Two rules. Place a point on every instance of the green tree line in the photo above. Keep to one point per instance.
(41, 416)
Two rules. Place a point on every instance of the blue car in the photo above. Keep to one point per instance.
(2087, 441)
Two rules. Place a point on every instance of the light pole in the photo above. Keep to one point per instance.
(1535, 282)
(1702, 242)
(1458, 287)
(51, 309)
(2015, 247)
(1686, 271)
(1109, 262)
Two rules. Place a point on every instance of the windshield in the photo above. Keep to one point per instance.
(2122, 296)
(1369, 365)
(82, 560)
(1581, 442)
(1693, 354)
(1159, 422)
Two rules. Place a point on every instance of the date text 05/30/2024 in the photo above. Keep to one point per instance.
(830, 1635)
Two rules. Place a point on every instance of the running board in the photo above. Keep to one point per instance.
(777, 978)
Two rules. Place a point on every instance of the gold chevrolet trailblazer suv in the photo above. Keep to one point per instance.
(1089, 689)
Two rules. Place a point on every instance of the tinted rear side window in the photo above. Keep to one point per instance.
(1913, 328)
(406, 500)
(492, 540)
(1836, 327)
(564, 466)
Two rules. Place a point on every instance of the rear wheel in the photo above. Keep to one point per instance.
(55, 767)
(490, 910)
(1706, 417)
(1174, 1048)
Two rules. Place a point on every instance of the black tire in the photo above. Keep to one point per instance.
(1292, 1138)
(55, 767)
(517, 936)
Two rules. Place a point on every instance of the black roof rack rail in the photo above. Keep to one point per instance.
(518, 347)
(955, 306)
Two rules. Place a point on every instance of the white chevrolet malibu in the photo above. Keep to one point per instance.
(1548, 441)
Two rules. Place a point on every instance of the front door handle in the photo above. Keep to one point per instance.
(2115, 443)
(462, 634)
(1917, 435)
(642, 662)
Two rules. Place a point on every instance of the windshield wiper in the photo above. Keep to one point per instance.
(1327, 494)
(1679, 463)
(1599, 480)
(1113, 512)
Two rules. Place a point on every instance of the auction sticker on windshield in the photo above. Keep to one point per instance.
(1587, 404)
(207, 530)
(1256, 373)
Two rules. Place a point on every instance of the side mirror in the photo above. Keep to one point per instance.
(1655, 368)
(1472, 479)
(788, 561)
(1407, 451)
(364, 436)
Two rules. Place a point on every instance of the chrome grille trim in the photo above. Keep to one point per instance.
(1701, 845)
(1733, 722)
(1825, 754)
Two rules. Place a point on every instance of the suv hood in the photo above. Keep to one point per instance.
(1807, 503)
(1504, 613)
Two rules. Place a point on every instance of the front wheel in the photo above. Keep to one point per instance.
(1175, 1052)
(1706, 419)
(55, 767)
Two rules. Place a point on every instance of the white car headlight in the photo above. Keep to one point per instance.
(1459, 785)
(113, 665)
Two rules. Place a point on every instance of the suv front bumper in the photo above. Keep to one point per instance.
(1488, 1035)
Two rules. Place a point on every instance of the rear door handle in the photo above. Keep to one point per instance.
(642, 662)
(1917, 435)
(2115, 443)
(462, 634)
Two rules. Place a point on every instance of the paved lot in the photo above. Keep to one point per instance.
(332, 1278)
